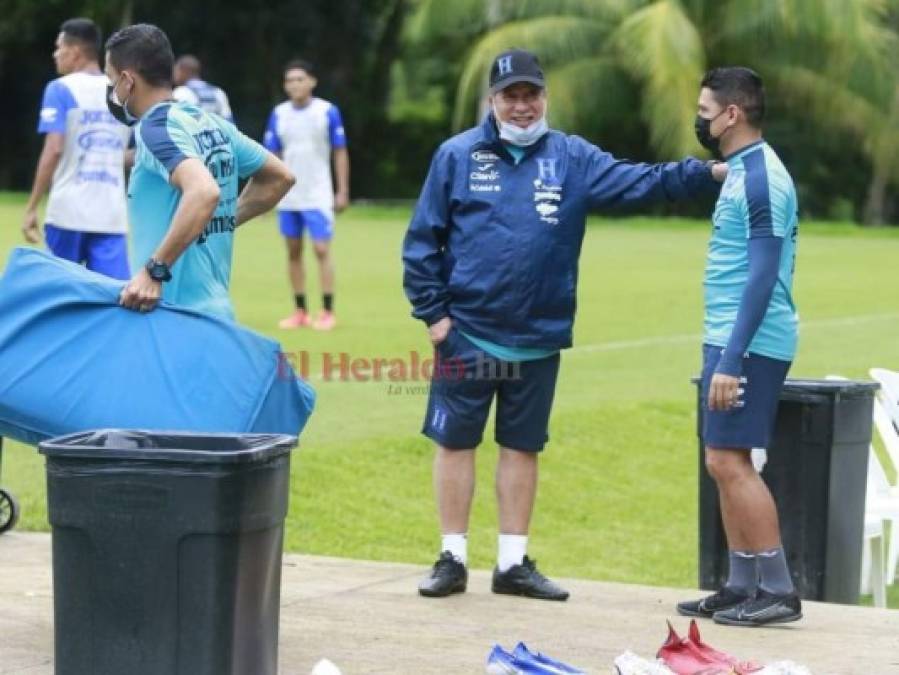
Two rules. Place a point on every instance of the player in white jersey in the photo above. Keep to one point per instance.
(189, 88)
(81, 162)
(307, 132)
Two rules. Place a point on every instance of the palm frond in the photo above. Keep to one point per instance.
(661, 47)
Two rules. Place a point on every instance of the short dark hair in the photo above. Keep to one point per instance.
(300, 64)
(741, 87)
(146, 49)
(85, 32)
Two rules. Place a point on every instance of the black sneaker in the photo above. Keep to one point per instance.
(447, 577)
(716, 602)
(524, 579)
(763, 609)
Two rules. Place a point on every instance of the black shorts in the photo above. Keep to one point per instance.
(466, 379)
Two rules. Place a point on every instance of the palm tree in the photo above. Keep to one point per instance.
(813, 52)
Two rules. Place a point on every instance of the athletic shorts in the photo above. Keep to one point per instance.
(106, 254)
(750, 425)
(320, 224)
(464, 384)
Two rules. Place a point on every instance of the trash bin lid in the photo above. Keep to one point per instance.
(169, 446)
(800, 389)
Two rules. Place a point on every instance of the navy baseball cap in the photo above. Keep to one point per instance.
(513, 66)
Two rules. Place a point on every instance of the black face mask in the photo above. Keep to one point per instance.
(703, 128)
(118, 110)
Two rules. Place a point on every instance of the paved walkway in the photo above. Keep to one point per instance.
(367, 618)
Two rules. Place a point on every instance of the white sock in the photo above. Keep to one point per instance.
(457, 544)
(512, 548)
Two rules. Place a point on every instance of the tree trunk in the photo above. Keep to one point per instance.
(875, 204)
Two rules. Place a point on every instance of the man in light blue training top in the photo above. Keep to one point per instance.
(749, 344)
(183, 194)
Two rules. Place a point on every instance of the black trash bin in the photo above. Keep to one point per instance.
(167, 551)
(817, 470)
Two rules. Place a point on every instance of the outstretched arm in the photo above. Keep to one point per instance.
(616, 183)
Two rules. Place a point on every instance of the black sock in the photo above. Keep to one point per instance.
(328, 301)
(300, 299)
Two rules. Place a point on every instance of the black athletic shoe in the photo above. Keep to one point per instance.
(447, 577)
(763, 609)
(524, 579)
(721, 600)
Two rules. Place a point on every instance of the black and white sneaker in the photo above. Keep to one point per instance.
(765, 608)
(721, 600)
(524, 579)
(448, 576)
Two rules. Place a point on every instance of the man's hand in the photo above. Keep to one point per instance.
(719, 171)
(341, 201)
(142, 293)
(724, 392)
(30, 227)
(439, 330)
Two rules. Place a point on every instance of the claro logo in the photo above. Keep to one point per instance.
(100, 140)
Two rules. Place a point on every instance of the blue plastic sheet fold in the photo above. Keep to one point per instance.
(71, 360)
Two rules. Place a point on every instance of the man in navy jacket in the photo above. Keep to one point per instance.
(490, 265)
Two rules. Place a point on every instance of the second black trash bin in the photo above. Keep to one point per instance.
(167, 551)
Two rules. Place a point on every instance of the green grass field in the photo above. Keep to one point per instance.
(618, 490)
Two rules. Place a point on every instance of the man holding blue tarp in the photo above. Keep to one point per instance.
(183, 194)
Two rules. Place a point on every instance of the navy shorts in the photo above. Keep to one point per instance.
(750, 425)
(292, 224)
(466, 380)
(102, 253)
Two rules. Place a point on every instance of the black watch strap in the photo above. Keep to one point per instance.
(158, 270)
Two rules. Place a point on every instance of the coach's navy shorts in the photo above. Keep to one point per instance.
(750, 425)
(293, 223)
(106, 254)
(465, 381)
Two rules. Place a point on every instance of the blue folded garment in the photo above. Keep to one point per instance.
(71, 360)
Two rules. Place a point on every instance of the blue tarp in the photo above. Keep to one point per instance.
(71, 360)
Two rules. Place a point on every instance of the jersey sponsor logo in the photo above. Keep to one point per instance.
(484, 187)
(218, 225)
(547, 190)
(209, 139)
(100, 140)
(97, 117)
(484, 156)
(220, 163)
(484, 175)
(48, 115)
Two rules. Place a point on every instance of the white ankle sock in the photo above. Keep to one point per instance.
(457, 544)
(512, 549)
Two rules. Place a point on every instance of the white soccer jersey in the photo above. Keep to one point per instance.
(305, 138)
(206, 96)
(88, 190)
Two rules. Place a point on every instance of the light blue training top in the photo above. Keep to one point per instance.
(168, 134)
(758, 199)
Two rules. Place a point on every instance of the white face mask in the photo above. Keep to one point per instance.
(514, 134)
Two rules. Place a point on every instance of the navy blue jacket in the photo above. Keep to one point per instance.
(495, 245)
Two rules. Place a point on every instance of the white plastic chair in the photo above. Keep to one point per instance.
(887, 496)
(880, 505)
(872, 580)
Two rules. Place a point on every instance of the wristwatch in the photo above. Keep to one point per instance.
(158, 270)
